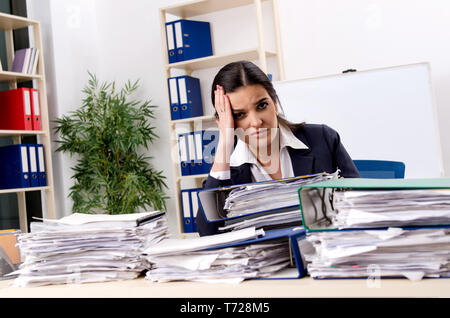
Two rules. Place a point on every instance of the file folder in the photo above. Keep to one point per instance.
(188, 224)
(184, 156)
(194, 209)
(316, 200)
(33, 165)
(175, 110)
(35, 109)
(190, 97)
(197, 158)
(192, 39)
(210, 139)
(170, 38)
(16, 109)
(14, 167)
(295, 237)
(42, 175)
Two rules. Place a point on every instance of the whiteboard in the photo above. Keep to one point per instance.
(381, 114)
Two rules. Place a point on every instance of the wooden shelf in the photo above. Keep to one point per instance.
(199, 7)
(193, 119)
(218, 60)
(12, 22)
(193, 177)
(23, 189)
(5, 133)
(6, 76)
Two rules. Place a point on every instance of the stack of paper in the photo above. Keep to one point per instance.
(380, 208)
(88, 248)
(202, 259)
(279, 199)
(389, 252)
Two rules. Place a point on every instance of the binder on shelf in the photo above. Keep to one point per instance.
(33, 165)
(170, 37)
(35, 109)
(319, 212)
(175, 110)
(14, 167)
(194, 209)
(196, 149)
(42, 175)
(184, 156)
(25, 61)
(186, 205)
(210, 139)
(295, 238)
(16, 109)
(190, 96)
(192, 40)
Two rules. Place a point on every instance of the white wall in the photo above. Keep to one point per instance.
(326, 37)
(120, 40)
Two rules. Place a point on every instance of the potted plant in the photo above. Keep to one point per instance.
(107, 134)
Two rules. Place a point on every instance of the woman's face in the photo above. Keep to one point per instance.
(255, 115)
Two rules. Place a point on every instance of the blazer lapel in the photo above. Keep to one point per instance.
(302, 162)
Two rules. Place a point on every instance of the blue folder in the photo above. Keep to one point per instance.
(14, 167)
(175, 110)
(42, 175)
(210, 139)
(33, 165)
(184, 154)
(294, 236)
(186, 205)
(197, 156)
(189, 203)
(190, 96)
(170, 38)
(192, 39)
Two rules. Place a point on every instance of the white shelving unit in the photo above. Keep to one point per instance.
(9, 23)
(189, 10)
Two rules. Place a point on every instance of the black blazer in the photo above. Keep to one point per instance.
(325, 153)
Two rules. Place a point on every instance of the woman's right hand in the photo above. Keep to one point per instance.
(225, 123)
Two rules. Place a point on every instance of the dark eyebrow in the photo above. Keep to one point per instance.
(257, 103)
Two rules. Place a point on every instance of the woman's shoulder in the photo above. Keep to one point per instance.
(315, 130)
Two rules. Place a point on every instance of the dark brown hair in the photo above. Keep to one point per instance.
(244, 73)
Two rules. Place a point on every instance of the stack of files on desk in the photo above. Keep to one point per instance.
(185, 97)
(228, 257)
(22, 166)
(383, 253)
(268, 205)
(197, 150)
(20, 109)
(188, 39)
(88, 248)
(378, 227)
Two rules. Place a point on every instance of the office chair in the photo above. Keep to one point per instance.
(380, 169)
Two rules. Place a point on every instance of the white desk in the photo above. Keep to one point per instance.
(288, 288)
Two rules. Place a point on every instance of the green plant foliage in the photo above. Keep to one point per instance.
(106, 134)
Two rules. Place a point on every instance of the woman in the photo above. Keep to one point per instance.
(268, 147)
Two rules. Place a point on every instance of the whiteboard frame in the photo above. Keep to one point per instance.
(436, 129)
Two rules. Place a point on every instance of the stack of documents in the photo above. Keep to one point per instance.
(392, 252)
(267, 204)
(88, 248)
(378, 227)
(217, 258)
(362, 208)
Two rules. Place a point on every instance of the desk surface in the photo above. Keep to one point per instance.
(287, 288)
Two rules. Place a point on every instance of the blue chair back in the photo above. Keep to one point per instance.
(380, 169)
